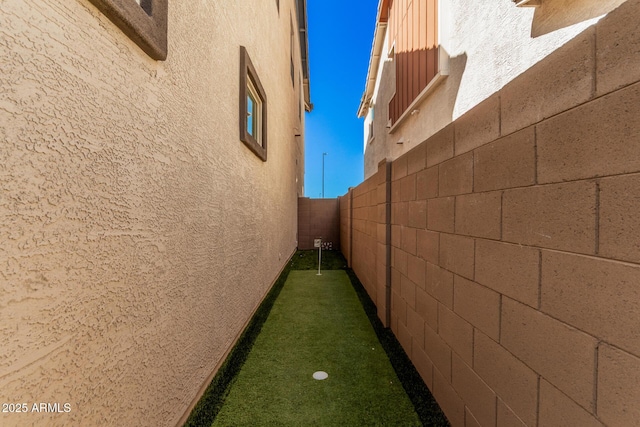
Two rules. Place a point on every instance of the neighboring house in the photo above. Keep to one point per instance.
(434, 60)
(151, 160)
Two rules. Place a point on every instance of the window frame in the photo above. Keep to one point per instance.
(249, 77)
(255, 129)
(145, 23)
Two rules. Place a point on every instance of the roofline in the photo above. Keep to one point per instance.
(304, 52)
(374, 60)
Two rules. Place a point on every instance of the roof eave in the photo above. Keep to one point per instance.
(374, 59)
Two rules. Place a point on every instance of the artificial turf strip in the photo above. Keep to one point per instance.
(317, 323)
(423, 401)
(209, 405)
(308, 260)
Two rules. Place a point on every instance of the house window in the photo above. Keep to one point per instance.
(254, 111)
(143, 21)
(253, 108)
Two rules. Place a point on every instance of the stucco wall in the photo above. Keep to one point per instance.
(514, 253)
(137, 233)
(488, 47)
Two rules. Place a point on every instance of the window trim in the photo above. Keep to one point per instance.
(255, 129)
(248, 76)
(145, 23)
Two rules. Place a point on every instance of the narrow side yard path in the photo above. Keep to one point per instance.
(317, 324)
(309, 323)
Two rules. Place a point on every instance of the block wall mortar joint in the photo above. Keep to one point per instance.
(594, 409)
(453, 136)
(473, 273)
(500, 319)
(501, 214)
(473, 347)
(539, 279)
(450, 364)
(473, 171)
(597, 224)
(594, 80)
(438, 318)
(455, 205)
(535, 155)
(500, 115)
(388, 242)
(538, 400)
(496, 408)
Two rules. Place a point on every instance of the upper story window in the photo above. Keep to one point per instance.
(253, 108)
(254, 111)
(143, 21)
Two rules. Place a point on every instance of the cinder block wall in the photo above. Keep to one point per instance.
(515, 267)
(318, 218)
(345, 226)
(365, 241)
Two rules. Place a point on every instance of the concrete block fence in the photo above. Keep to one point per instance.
(318, 219)
(504, 251)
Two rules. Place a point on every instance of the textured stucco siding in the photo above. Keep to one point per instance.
(489, 43)
(137, 233)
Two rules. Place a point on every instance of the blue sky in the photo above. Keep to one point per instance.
(340, 37)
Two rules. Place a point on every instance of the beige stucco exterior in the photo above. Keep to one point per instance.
(137, 233)
(488, 44)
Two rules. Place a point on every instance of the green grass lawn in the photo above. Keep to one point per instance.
(308, 260)
(317, 323)
(309, 323)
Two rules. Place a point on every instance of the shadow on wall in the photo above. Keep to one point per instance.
(416, 70)
(443, 99)
(457, 66)
(402, 80)
(558, 14)
(437, 110)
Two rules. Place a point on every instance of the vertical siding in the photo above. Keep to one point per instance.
(413, 25)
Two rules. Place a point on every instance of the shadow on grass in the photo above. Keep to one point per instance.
(425, 405)
(213, 398)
